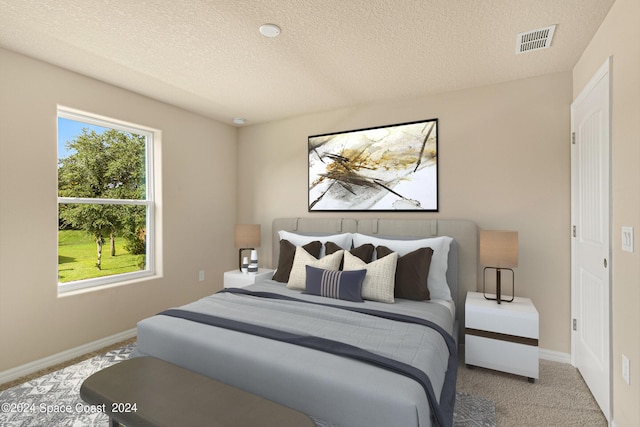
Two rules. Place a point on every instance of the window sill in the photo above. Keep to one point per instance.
(100, 284)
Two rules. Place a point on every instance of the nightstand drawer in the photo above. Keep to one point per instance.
(503, 323)
(518, 318)
(505, 356)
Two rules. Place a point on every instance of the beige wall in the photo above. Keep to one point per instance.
(504, 159)
(619, 38)
(197, 204)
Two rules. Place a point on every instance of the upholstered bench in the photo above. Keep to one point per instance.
(146, 391)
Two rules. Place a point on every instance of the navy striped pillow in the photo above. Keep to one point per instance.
(346, 285)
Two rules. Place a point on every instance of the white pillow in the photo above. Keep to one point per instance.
(437, 279)
(343, 240)
(302, 258)
(379, 283)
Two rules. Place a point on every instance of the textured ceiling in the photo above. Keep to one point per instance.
(209, 57)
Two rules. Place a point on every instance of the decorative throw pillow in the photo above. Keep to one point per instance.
(437, 281)
(285, 260)
(379, 282)
(343, 240)
(364, 252)
(411, 273)
(298, 276)
(346, 285)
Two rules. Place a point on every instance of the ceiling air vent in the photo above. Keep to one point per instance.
(535, 39)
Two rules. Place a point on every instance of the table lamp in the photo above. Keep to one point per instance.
(498, 251)
(247, 238)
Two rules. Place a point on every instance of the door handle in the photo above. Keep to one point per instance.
(605, 263)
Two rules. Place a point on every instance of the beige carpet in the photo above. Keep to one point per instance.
(559, 397)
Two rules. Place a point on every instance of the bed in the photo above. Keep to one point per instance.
(342, 362)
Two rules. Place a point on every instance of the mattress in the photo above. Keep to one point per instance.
(332, 388)
(449, 304)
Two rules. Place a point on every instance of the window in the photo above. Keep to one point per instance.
(105, 201)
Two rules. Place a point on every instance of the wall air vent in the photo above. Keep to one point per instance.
(535, 39)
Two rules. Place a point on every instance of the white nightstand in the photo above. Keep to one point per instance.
(238, 279)
(503, 336)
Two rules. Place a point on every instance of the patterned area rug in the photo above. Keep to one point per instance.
(471, 411)
(54, 399)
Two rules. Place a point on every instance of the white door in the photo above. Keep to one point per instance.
(590, 249)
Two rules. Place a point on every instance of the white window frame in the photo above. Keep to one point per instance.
(148, 202)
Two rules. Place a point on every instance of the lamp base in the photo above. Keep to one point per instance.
(240, 256)
(498, 297)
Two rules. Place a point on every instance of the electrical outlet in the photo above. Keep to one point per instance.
(626, 375)
(627, 239)
(201, 275)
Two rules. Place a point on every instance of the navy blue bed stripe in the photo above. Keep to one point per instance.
(448, 393)
(442, 414)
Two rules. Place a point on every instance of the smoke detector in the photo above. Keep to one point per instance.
(535, 39)
(269, 30)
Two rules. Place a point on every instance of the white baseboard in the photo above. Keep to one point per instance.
(555, 356)
(31, 367)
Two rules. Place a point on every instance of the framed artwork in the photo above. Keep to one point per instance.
(386, 168)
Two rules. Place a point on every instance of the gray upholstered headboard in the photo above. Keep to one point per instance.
(463, 260)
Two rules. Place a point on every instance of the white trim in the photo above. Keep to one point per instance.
(36, 365)
(102, 282)
(555, 356)
(103, 121)
(96, 201)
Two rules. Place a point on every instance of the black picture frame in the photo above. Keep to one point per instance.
(385, 168)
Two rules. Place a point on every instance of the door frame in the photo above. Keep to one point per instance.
(604, 70)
